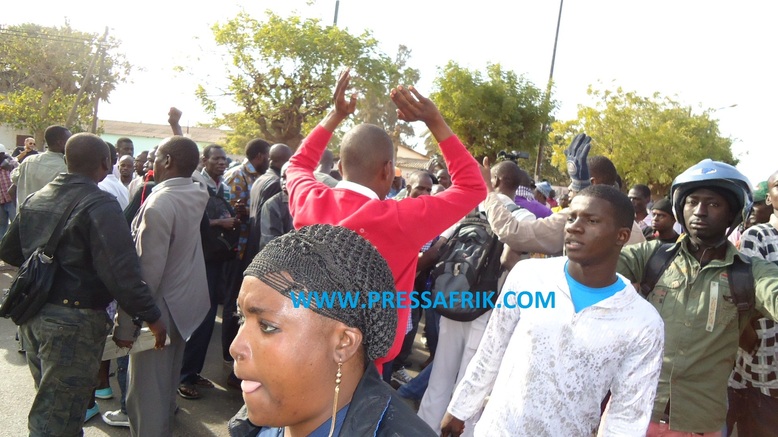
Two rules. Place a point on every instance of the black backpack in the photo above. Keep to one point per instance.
(219, 244)
(469, 261)
(741, 286)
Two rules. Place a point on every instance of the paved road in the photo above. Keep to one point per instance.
(207, 416)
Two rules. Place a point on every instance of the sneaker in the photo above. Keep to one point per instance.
(104, 393)
(401, 375)
(92, 412)
(116, 418)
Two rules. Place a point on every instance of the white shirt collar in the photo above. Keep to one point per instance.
(357, 188)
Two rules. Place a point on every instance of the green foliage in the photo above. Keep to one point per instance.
(377, 108)
(34, 110)
(283, 72)
(501, 111)
(42, 70)
(649, 139)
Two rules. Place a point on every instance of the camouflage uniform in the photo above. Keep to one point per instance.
(64, 346)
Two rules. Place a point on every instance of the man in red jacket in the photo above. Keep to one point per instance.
(359, 201)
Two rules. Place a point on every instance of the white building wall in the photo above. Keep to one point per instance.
(8, 136)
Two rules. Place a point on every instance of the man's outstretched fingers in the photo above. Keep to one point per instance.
(343, 81)
(416, 93)
(406, 103)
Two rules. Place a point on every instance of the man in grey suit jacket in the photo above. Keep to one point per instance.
(167, 239)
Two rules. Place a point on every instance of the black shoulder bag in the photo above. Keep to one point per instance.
(30, 290)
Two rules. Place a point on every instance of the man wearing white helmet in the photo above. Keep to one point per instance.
(694, 298)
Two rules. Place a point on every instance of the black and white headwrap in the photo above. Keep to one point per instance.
(326, 258)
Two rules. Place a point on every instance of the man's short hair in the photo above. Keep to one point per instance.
(112, 153)
(364, 149)
(255, 147)
(643, 190)
(184, 152)
(509, 174)
(85, 153)
(602, 169)
(417, 175)
(54, 134)
(623, 211)
(327, 161)
(209, 148)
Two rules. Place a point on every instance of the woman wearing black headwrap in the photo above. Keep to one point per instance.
(306, 371)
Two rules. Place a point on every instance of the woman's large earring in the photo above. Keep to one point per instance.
(335, 404)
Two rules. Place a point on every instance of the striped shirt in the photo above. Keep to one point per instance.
(5, 180)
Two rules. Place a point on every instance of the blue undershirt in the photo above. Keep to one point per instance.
(584, 297)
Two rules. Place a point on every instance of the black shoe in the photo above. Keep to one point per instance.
(233, 381)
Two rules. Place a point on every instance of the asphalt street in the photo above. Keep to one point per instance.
(206, 416)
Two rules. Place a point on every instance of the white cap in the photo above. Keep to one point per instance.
(3, 149)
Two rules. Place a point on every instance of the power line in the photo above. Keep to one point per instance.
(55, 39)
(48, 37)
(4, 28)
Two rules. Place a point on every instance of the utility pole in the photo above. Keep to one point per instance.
(547, 99)
(99, 85)
(337, 6)
(72, 116)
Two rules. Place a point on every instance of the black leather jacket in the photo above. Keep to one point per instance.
(375, 410)
(96, 255)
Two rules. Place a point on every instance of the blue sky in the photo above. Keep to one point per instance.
(708, 54)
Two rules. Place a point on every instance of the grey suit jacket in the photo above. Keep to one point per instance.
(167, 238)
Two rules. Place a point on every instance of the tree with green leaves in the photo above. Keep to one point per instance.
(282, 72)
(43, 75)
(490, 113)
(650, 139)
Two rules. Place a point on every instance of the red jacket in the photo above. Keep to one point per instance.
(398, 229)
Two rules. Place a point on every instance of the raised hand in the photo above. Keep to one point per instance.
(576, 154)
(344, 107)
(174, 115)
(412, 106)
(174, 120)
(486, 173)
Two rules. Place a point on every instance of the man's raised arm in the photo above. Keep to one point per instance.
(299, 175)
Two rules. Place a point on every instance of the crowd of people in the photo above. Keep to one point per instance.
(660, 322)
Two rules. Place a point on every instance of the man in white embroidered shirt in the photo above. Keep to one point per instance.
(548, 367)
